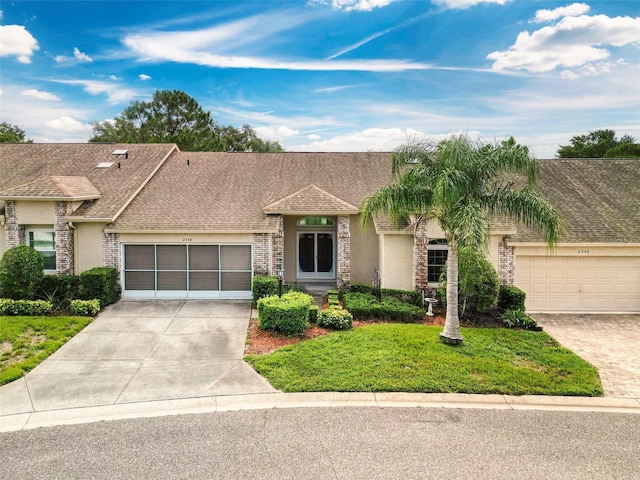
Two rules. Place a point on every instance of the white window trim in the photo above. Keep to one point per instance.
(40, 249)
(433, 247)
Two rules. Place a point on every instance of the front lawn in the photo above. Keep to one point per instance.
(411, 358)
(27, 341)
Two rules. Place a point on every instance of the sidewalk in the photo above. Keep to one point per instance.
(26, 421)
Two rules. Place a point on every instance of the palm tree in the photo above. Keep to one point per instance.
(463, 184)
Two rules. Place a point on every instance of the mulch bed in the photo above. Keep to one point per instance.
(262, 341)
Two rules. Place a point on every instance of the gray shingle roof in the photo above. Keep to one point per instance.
(22, 164)
(63, 187)
(310, 199)
(228, 191)
(598, 198)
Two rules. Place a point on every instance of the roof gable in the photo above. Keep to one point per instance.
(54, 187)
(310, 199)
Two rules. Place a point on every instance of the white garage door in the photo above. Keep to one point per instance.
(579, 284)
(187, 271)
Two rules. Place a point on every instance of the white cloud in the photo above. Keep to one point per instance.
(114, 93)
(78, 57)
(463, 4)
(572, 10)
(359, 5)
(16, 40)
(374, 139)
(275, 132)
(314, 136)
(114, 77)
(67, 124)
(238, 45)
(572, 43)
(40, 95)
(144, 77)
(336, 88)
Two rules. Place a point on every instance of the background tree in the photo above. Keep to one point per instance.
(172, 116)
(12, 134)
(462, 184)
(598, 144)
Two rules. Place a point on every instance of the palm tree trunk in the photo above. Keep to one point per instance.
(451, 333)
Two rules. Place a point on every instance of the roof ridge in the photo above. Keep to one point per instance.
(311, 186)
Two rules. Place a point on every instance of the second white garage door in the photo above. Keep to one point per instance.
(579, 284)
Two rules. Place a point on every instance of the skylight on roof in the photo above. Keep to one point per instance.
(121, 151)
(104, 164)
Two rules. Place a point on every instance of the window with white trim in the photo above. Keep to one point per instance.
(44, 242)
(437, 251)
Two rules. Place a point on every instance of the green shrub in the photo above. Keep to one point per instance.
(263, 286)
(511, 298)
(478, 284)
(414, 297)
(100, 283)
(60, 289)
(518, 319)
(85, 308)
(313, 313)
(9, 306)
(288, 314)
(335, 319)
(21, 272)
(365, 306)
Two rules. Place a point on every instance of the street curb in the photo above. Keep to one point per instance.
(266, 401)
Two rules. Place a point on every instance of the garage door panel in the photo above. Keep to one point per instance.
(172, 280)
(140, 280)
(199, 281)
(171, 257)
(204, 257)
(236, 281)
(139, 257)
(580, 284)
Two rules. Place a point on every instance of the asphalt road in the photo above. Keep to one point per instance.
(334, 443)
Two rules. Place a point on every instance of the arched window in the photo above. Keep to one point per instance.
(315, 222)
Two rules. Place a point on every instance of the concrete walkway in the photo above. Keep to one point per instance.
(609, 342)
(140, 351)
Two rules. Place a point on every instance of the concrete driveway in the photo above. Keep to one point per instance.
(139, 351)
(610, 342)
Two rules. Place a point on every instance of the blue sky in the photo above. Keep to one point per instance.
(330, 75)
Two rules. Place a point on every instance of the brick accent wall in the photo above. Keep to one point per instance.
(344, 251)
(262, 261)
(506, 264)
(111, 250)
(277, 248)
(15, 233)
(64, 238)
(420, 246)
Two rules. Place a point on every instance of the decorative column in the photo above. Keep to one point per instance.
(277, 248)
(506, 263)
(111, 250)
(14, 232)
(344, 251)
(420, 246)
(261, 253)
(64, 238)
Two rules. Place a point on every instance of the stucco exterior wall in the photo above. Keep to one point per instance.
(88, 246)
(177, 238)
(36, 213)
(396, 261)
(364, 252)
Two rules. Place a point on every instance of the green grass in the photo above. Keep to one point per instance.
(411, 358)
(27, 341)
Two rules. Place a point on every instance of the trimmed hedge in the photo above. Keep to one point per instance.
(335, 319)
(365, 307)
(288, 314)
(511, 298)
(413, 297)
(263, 286)
(85, 308)
(60, 289)
(100, 283)
(24, 307)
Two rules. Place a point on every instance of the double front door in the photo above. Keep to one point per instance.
(316, 255)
